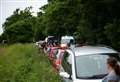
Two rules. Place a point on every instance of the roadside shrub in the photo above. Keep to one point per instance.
(23, 63)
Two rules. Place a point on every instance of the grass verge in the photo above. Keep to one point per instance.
(24, 63)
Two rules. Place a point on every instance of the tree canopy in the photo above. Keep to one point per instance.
(19, 27)
(96, 21)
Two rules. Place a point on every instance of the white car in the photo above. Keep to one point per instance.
(86, 64)
(67, 39)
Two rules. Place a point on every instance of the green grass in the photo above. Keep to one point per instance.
(24, 63)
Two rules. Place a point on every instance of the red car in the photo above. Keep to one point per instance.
(55, 55)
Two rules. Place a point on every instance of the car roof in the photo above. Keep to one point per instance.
(67, 37)
(87, 50)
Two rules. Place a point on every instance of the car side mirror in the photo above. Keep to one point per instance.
(64, 74)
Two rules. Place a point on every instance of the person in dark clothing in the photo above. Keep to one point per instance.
(114, 71)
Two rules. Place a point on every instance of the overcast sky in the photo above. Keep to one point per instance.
(8, 6)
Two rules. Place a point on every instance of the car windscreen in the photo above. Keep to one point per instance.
(91, 66)
(66, 41)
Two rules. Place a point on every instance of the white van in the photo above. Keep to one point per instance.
(86, 64)
(69, 40)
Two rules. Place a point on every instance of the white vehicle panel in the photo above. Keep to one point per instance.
(87, 80)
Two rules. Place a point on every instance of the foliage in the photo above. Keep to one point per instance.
(61, 18)
(85, 19)
(23, 63)
(90, 20)
(95, 20)
(112, 30)
(19, 27)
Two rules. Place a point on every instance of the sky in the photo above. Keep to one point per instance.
(8, 6)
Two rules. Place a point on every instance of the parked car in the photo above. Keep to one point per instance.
(52, 52)
(52, 39)
(55, 56)
(58, 59)
(40, 44)
(86, 64)
(69, 40)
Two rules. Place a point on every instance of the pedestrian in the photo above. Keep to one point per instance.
(113, 69)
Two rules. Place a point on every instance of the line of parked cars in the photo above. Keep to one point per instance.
(79, 64)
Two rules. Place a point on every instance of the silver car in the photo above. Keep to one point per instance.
(86, 64)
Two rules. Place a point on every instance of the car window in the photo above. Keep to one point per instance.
(55, 53)
(63, 41)
(91, 66)
(66, 63)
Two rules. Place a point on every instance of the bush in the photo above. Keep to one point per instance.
(23, 63)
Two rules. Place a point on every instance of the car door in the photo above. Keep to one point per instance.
(66, 66)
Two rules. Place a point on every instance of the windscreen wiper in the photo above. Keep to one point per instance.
(97, 76)
(100, 76)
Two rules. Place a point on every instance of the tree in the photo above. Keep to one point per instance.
(112, 30)
(95, 15)
(95, 21)
(60, 18)
(85, 19)
(19, 26)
